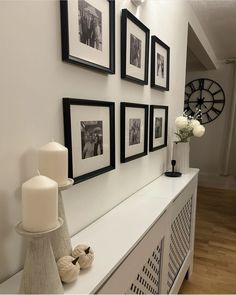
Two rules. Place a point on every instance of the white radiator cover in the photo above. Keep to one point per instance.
(162, 258)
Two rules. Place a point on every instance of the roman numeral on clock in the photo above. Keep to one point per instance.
(216, 111)
(201, 84)
(187, 108)
(187, 94)
(218, 101)
(210, 85)
(209, 118)
(192, 86)
(218, 91)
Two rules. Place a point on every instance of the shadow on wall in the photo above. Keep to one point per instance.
(8, 219)
(28, 167)
(5, 231)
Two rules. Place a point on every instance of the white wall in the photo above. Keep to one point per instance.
(33, 82)
(207, 153)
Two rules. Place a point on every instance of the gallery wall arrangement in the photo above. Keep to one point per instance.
(89, 130)
(88, 39)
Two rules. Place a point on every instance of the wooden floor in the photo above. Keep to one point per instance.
(215, 244)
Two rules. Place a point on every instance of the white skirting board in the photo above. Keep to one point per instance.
(143, 219)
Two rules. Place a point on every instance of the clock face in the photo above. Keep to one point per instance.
(206, 95)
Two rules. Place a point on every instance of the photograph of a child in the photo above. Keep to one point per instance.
(91, 138)
(134, 131)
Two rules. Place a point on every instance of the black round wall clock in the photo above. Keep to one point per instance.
(206, 95)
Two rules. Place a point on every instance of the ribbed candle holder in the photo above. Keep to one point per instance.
(60, 239)
(40, 274)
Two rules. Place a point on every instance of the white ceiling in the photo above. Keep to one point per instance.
(218, 19)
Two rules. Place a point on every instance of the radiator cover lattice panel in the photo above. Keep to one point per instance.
(148, 278)
(179, 243)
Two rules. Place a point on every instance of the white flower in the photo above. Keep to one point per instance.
(181, 122)
(194, 123)
(198, 130)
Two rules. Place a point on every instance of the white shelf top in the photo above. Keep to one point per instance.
(115, 234)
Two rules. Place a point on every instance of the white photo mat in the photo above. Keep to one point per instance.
(134, 113)
(135, 38)
(81, 113)
(132, 70)
(83, 51)
(159, 113)
(159, 80)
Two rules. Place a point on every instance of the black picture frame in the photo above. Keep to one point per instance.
(69, 124)
(123, 107)
(155, 40)
(127, 15)
(66, 54)
(163, 141)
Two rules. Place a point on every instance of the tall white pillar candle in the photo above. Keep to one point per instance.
(39, 204)
(53, 162)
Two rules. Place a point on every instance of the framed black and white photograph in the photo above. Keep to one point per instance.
(89, 128)
(134, 131)
(160, 64)
(134, 49)
(88, 33)
(158, 127)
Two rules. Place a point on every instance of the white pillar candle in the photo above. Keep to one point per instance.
(53, 162)
(39, 204)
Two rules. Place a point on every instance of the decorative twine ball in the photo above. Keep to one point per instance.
(68, 268)
(85, 255)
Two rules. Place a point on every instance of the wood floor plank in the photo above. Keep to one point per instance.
(215, 244)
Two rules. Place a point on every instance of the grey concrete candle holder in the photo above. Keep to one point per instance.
(40, 274)
(60, 239)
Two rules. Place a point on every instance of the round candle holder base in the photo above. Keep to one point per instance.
(40, 274)
(60, 239)
(67, 185)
